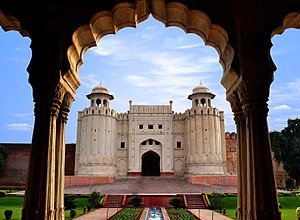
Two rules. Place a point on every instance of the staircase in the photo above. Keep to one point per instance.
(195, 201)
(113, 201)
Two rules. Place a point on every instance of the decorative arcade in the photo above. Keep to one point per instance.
(61, 33)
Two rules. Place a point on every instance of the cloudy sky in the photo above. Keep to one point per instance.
(149, 64)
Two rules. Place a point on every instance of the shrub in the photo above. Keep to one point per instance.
(72, 213)
(215, 202)
(3, 193)
(136, 202)
(94, 199)
(298, 212)
(8, 214)
(176, 203)
(88, 206)
(69, 203)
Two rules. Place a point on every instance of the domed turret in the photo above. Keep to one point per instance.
(100, 96)
(201, 96)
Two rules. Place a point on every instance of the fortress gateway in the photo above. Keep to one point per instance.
(150, 140)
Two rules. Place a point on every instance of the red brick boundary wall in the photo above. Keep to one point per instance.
(213, 180)
(87, 180)
(16, 163)
(155, 200)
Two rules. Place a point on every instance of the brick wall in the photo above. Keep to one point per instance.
(16, 165)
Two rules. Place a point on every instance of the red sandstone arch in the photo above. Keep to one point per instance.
(292, 20)
(9, 23)
(129, 15)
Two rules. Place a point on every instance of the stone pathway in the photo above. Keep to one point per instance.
(99, 214)
(206, 214)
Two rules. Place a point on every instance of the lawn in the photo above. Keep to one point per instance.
(288, 206)
(15, 204)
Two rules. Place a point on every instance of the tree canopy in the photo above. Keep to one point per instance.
(286, 147)
(2, 158)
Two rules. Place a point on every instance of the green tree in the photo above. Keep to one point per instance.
(94, 199)
(2, 158)
(278, 145)
(69, 202)
(286, 146)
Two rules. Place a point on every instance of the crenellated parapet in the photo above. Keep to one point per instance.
(230, 136)
(198, 111)
(178, 116)
(122, 116)
(151, 109)
(99, 111)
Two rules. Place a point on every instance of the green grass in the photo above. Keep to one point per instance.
(288, 204)
(15, 204)
(230, 204)
(128, 213)
(180, 213)
(79, 209)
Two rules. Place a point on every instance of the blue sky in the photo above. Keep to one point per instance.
(149, 64)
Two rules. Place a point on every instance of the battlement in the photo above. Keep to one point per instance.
(150, 109)
(231, 135)
(198, 111)
(178, 116)
(98, 111)
(122, 116)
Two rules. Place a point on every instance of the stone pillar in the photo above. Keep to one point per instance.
(60, 156)
(261, 190)
(52, 81)
(241, 155)
(40, 188)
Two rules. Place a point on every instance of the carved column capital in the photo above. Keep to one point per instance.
(236, 107)
(48, 99)
(66, 106)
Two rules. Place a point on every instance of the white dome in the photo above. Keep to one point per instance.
(100, 89)
(200, 89)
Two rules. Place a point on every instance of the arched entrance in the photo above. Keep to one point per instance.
(150, 164)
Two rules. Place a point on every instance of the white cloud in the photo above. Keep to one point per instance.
(19, 126)
(288, 92)
(282, 107)
(23, 115)
(108, 46)
(89, 80)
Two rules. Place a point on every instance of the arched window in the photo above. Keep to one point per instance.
(105, 103)
(98, 102)
(203, 102)
(92, 103)
(196, 102)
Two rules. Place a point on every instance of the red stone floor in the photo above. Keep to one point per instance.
(150, 185)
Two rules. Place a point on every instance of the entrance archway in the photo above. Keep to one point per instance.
(150, 164)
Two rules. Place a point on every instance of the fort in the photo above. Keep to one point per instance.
(148, 140)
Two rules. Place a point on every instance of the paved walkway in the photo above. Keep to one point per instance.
(99, 214)
(105, 213)
(150, 185)
(206, 214)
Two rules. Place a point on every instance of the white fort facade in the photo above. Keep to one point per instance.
(150, 140)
